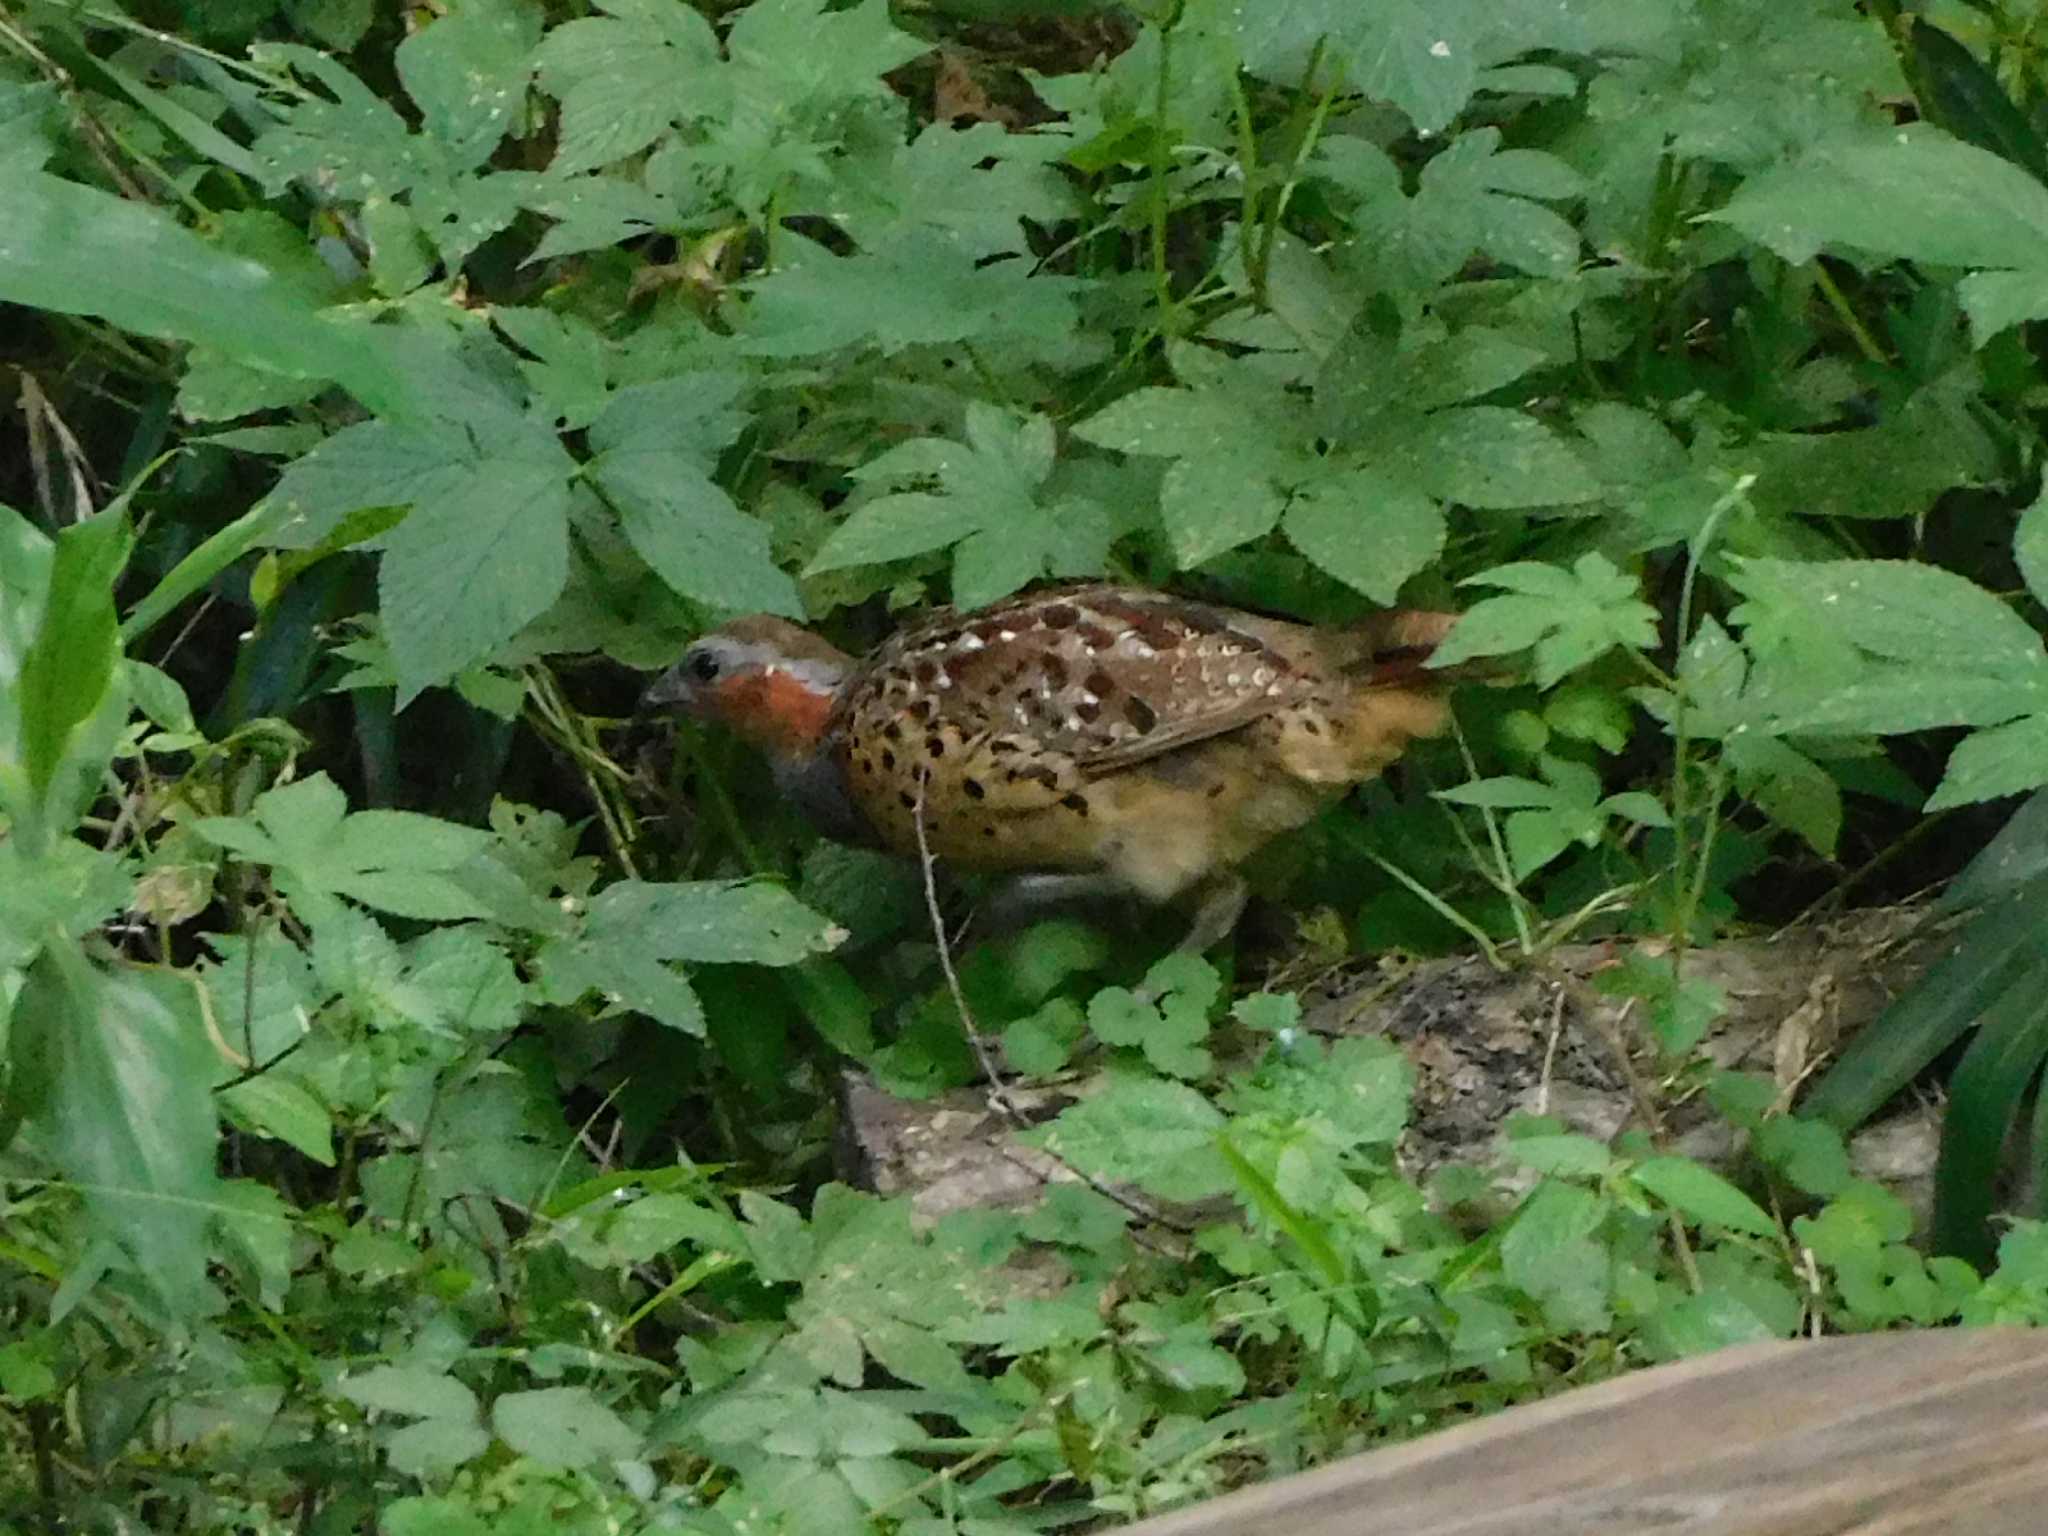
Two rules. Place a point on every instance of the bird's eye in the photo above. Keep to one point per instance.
(704, 666)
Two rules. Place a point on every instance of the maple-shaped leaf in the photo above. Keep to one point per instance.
(624, 79)
(1473, 197)
(395, 861)
(988, 506)
(1568, 617)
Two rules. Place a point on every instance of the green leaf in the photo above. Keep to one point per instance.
(159, 278)
(1995, 302)
(68, 669)
(1989, 764)
(562, 1427)
(1569, 617)
(336, 24)
(465, 573)
(395, 861)
(1367, 530)
(623, 80)
(1146, 1131)
(116, 1086)
(988, 506)
(467, 73)
(409, 1390)
(1899, 610)
(752, 922)
(1489, 456)
(1962, 96)
(273, 1105)
(657, 445)
(2001, 950)
(2030, 546)
(1549, 1251)
(1917, 193)
(1702, 1195)
(920, 288)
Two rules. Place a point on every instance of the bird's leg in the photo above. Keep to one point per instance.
(1223, 902)
(1029, 897)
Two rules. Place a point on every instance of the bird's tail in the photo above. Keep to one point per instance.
(1395, 648)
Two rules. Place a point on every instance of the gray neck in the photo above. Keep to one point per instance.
(817, 785)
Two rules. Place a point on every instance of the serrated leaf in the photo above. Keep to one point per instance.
(2030, 546)
(465, 573)
(1160, 1135)
(1211, 505)
(623, 80)
(467, 73)
(1702, 1195)
(1918, 194)
(988, 507)
(2004, 760)
(277, 1106)
(1366, 529)
(395, 861)
(409, 1390)
(712, 921)
(562, 1427)
(1569, 617)
(1490, 456)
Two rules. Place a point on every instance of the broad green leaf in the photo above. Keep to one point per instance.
(1549, 1251)
(623, 80)
(395, 861)
(1899, 610)
(920, 288)
(657, 445)
(465, 573)
(275, 1105)
(1211, 505)
(409, 1390)
(2030, 547)
(68, 668)
(1423, 58)
(467, 73)
(153, 276)
(1995, 302)
(562, 1427)
(1368, 531)
(989, 507)
(116, 1087)
(1702, 1195)
(1989, 764)
(1918, 194)
(752, 922)
(1569, 617)
(1145, 1131)
(618, 970)
(1490, 456)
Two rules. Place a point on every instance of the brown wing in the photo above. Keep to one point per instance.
(1103, 676)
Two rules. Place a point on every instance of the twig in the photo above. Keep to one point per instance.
(1550, 1052)
(999, 1098)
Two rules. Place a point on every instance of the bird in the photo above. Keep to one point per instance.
(1087, 740)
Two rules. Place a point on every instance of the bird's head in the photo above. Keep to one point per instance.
(763, 678)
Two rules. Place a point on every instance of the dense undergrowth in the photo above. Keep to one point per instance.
(418, 1103)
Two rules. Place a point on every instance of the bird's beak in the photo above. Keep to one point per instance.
(674, 689)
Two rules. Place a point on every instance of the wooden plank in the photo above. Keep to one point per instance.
(1935, 1433)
